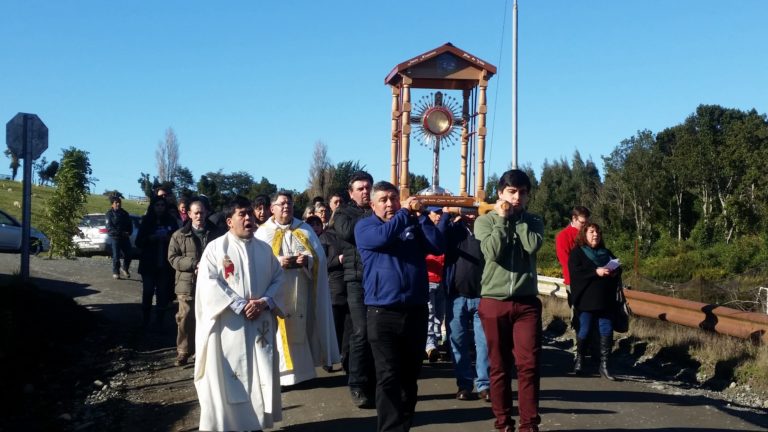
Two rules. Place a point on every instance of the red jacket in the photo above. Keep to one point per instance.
(564, 243)
(435, 265)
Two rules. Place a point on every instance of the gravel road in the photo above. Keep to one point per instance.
(129, 382)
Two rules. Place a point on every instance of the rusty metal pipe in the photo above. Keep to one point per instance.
(746, 325)
(723, 320)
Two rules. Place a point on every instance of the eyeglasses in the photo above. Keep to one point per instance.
(283, 204)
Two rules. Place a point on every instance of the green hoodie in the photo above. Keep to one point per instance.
(509, 246)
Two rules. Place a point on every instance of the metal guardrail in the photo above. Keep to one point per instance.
(733, 322)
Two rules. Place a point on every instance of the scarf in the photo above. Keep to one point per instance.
(598, 256)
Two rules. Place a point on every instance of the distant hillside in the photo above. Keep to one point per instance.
(11, 191)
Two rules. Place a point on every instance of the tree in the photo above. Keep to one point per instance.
(45, 172)
(65, 207)
(341, 175)
(38, 167)
(207, 186)
(300, 201)
(490, 188)
(184, 181)
(14, 166)
(320, 172)
(556, 194)
(146, 185)
(263, 187)
(417, 183)
(220, 187)
(586, 181)
(562, 187)
(675, 143)
(49, 173)
(627, 172)
(167, 156)
(237, 183)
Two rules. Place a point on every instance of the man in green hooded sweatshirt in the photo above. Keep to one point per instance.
(510, 310)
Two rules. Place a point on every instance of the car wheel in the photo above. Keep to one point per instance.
(35, 246)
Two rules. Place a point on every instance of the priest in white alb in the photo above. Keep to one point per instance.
(238, 299)
(306, 334)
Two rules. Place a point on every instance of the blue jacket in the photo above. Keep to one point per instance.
(394, 258)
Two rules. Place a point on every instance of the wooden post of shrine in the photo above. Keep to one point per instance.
(482, 109)
(464, 143)
(405, 137)
(395, 119)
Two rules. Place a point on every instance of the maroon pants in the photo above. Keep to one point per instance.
(513, 332)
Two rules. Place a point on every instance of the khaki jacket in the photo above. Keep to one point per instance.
(184, 252)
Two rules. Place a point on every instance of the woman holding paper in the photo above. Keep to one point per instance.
(595, 277)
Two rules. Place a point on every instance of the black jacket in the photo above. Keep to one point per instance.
(344, 220)
(119, 224)
(335, 268)
(153, 238)
(464, 261)
(590, 292)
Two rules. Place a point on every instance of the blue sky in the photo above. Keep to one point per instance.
(252, 85)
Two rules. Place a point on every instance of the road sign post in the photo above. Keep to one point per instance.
(27, 137)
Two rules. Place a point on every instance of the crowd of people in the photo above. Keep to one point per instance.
(372, 286)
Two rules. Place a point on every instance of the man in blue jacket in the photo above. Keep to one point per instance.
(393, 244)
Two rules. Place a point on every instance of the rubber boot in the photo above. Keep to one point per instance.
(606, 345)
(581, 349)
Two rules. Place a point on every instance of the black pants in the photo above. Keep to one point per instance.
(361, 372)
(120, 246)
(343, 324)
(397, 337)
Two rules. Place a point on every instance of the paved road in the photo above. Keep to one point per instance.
(568, 403)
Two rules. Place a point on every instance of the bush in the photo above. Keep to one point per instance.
(671, 269)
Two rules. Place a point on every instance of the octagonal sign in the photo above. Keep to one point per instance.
(26, 127)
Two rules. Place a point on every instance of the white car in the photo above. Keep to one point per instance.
(93, 238)
(10, 236)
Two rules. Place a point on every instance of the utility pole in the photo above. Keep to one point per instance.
(514, 85)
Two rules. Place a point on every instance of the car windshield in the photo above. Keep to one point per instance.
(94, 220)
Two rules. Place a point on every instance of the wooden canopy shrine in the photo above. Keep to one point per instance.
(444, 68)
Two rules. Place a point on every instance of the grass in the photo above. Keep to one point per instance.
(11, 192)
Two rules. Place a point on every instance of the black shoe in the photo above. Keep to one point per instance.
(465, 395)
(433, 355)
(485, 395)
(360, 399)
(181, 360)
